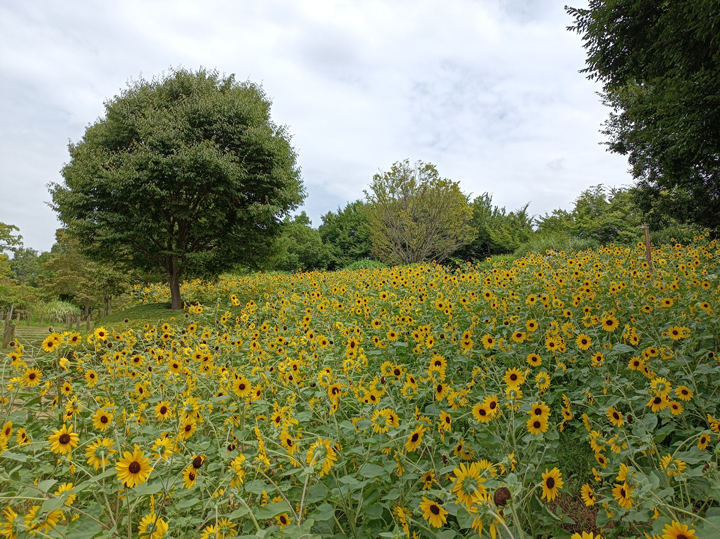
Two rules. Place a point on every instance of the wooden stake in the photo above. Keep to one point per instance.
(648, 248)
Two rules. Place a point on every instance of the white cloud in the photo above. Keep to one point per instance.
(488, 90)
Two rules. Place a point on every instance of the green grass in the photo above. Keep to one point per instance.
(138, 316)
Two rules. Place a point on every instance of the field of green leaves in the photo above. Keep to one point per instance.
(567, 395)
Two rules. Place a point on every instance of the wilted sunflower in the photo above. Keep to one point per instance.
(133, 468)
(552, 483)
(63, 441)
(433, 513)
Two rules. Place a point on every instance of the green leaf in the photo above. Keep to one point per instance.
(256, 487)
(272, 510)
(316, 493)
(239, 513)
(148, 488)
(44, 486)
(189, 503)
(14, 456)
(323, 512)
(372, 470)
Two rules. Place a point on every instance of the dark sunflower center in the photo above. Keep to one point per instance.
(104, 419)
(550, 482)
(64, 439)
(657, 400)
(616, 416)
(537, 424)
(134, 467)
(415, 437)
(163, 410)
(289, 442)
(493, 405)
(434, 509)
(188, 427)
(197, 462)
(439, 388)
(191, 476)
(482, 411)
(538, 411)
(513, 377)
(32, 376)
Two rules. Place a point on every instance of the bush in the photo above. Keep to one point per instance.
(556, 241)
(366, 264)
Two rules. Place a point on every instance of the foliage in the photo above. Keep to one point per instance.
(547, 242)
(498, 231)
(599, 214)
(658, 62)
(382, 402)
(9, 241)
(366, 264)
(300, 246)
(55, 311)
(415, 216)
(27, 265)
(347, 235)
(69, 274)
(186, 174)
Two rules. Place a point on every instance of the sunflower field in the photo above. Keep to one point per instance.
(568, 395)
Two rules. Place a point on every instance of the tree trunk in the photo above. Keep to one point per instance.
(175, 284)
(87, 307)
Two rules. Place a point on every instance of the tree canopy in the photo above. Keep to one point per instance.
(659, 64)
(415, 215)
(185, 174)
(346, 234)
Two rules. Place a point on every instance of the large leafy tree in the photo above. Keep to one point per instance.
(415, 215)
(346, 234)
(659, 64)
(185, 174)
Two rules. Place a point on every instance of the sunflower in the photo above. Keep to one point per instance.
(9, 528)
(657, 403)
(488, 341)
(552, 483)
(163, 410)
(588, 495)
(189, 476)
(63, 441)
(32, 376)
(703, 441)
(52, 342)
(323, 453)
(539, 411)
(62, 489)
(99, 452)
(514, 377)
(74, 338)
(102, 419)
(433, 513)
(163, 448)
(444, 422)
(602, 461)
(90, 378)
(288, 443)
(615, 417)
(683, 393)
(415, 438)
(428, 478)
(675, 530)
(133, 468)
(283, 520)
(152, 527)
(40, 521)
(101, 334)
(481, 413)
(187, 428)
(609, 323)
(468, 485)
(441, 391)
(622, 494)
(583, 342)
(537, 425)
(542, 380)
(534, 359)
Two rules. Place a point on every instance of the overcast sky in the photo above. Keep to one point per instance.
(487, 90)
